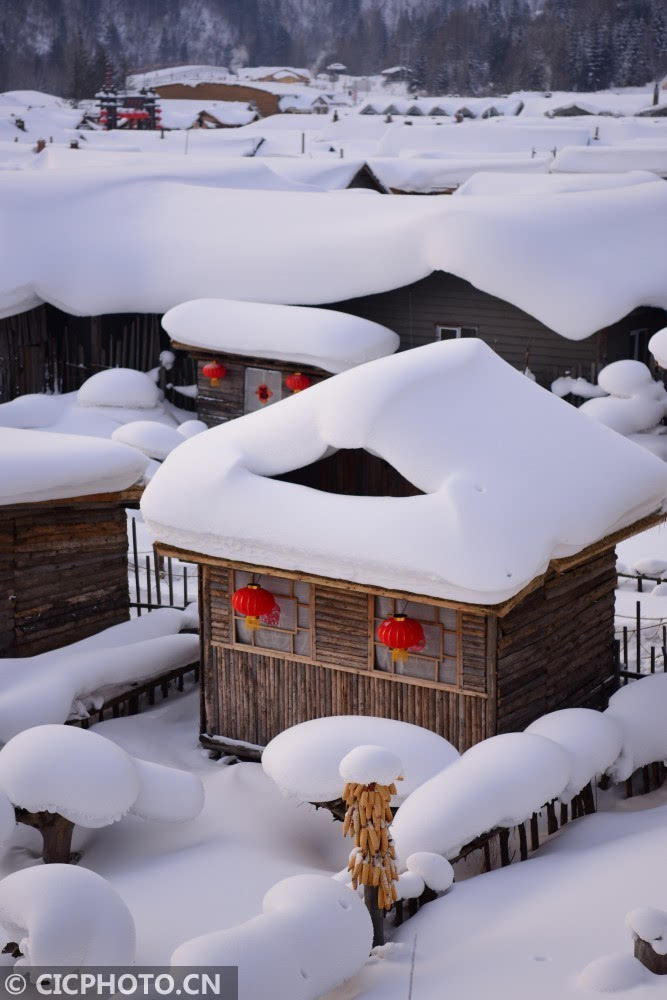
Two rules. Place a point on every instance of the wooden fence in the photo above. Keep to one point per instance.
(158, 582)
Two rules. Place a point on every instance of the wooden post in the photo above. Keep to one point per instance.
(377, 915)
(649, 958)
(56, 834)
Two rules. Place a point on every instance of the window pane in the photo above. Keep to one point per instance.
(449, 643)
(303, 616)
(276, 584)
(262, 388)
(269, 638)
(447, 671)
(384, 606)
(432, 637)
(302, 644)
(287, 618)
(416, 666)
(447, 617)
(302, 592)
(423, 612)
(241, 579)
(383, 659)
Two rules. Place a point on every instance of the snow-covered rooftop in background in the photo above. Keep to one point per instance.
(37, 466)
(496, 136)
(416, 175)
(512, 182)
(613, 159)
(184, 114)
(314, 248)
(325, 338)
(498, 505)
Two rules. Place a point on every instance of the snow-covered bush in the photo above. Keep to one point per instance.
(66, 682)
(640, 709)
(498, 782)
(149, 437)
(304, 761)
(592, 739)
(434, 870)
(635, 404)
(65, 915)
(119, 387)
(59, 776)
(312, 935)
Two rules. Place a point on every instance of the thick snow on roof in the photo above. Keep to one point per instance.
(314, 248)
(513, 182)
(613, 159)
(325, 338)
(184, 113)
(498, 505)
(416, 175)
(491, 136)
(38, 465)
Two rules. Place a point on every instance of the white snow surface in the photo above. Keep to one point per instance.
(369, 763)
(497, 507)
(657, 345)
(499, 782)
(592, 739)
(304, 761)
(502, 184)
(435, 871)
(66, 915)
(63, 769)
(612, 159)
(640, 709)
(119, 387)
(149, 437)
(314, 248)
(312, 935)
(166, 794)
(327, 339)
(649, 924)
(37, 466)
(62, 683)
(613, 974)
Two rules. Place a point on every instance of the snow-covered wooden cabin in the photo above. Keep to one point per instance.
(63, 537)
(494, 537)
(250, 354)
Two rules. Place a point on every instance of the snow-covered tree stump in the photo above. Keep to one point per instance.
(648, 927)
(370, 773)
(56, 834)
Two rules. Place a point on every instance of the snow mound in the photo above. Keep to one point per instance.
(39, 466)
(63, 769)
(304, 761)
(650, 566)
(433, 869)
(479, 531)
(613, 974)
(592, 739)
(119, 387)
(312, 935)
(624, 378)
(410, 885)
(367, 764)
(150, 438)
(189, 428)
(64, 683)
(166, 794)
(501, 781)
(330, 340)
(657, 345)
(640, 708)
(66, 915)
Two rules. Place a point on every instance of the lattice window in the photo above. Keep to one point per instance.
(293, 633)
(439, 660)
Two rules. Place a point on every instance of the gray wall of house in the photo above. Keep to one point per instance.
(415, 311)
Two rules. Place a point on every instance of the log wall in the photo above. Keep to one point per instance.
(557, 647)
(252, 695)
(63, 573)
(217, 404)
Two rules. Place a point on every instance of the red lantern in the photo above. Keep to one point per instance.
(258, 606)
(263, 393)
(215, 371)
(401, 635)
(297, 382)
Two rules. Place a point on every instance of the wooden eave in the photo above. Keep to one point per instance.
(556, 567)
(204, 353)
(131, 495)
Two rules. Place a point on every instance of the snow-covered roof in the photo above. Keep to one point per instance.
(184, 113)
(415, 175)
(613, 159)
(38, 465)
(513, 182)
(327, 339)
(497, 135)
(313, 248)
(498, 505)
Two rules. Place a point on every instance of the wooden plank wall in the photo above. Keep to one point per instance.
(353, 472)
(66, 569)
(443, 299)
(253, 696)
(216, 404)
(557, 647)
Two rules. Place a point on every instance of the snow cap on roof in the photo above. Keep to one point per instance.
(38, 465)
(330, 340)
(503, 496)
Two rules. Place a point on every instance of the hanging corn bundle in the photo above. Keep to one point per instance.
(368, 818)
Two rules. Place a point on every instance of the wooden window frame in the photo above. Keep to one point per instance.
(290, 654)
(460, 335)
(375, 619)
